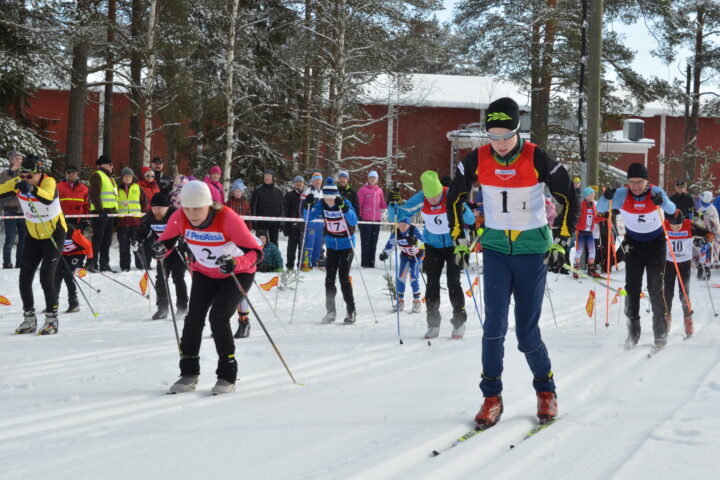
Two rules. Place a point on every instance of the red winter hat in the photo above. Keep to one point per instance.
(143, 171)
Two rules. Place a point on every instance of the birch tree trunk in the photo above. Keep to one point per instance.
(230, 98)
(339, 83)
(149, 83)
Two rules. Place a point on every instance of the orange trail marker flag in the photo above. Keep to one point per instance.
(590, 304)
(4, 301)
(469, 291)
(81, 273)
(269, 285)
(144, 283)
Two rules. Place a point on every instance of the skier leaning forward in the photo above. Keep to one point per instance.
(431, 202)
(644, 246)
(516, 246)
(46, 227)
(221, 245)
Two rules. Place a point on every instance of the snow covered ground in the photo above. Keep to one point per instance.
(90, 402)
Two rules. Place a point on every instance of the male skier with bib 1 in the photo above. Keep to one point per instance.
(644, 247)
(517, 245)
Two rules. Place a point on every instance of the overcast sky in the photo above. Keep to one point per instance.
(637, 35)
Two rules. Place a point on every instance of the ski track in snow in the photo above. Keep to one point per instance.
(90, 402)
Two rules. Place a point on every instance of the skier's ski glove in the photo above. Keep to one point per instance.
(383, 256)
(342, 204)
(462, 253)
(658, 199)
(226, 264)
(609, 193)
(555, 256)
(309, 200)
(25, 187)
(395, 198)
(159, 250)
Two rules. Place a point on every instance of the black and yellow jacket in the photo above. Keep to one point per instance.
(45, 193)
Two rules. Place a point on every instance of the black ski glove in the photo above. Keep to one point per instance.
(394, 196)
(658, 199)
(342, 204)
(309, 200)
(25, 187)
(159, 250)
(555, 256)
(226, 264)
(609, 193)
(383, 256)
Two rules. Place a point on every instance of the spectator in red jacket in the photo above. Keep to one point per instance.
(73, 197)
(149, 186)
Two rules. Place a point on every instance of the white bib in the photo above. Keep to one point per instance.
(46, 212)
(207, 246)
(517, 208)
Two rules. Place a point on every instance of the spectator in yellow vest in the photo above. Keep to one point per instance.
(131, 198)
(103, 195)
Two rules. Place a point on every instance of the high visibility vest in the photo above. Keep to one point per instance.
(108, 192)
(129, 203)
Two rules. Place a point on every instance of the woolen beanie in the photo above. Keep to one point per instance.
(677, 218)
(269, 171)
(502, 113)
(196, 194)
(13, 153)
(431, 185)
(215, 170)
(316, 176)
(637, 170)
(330, 188)
(103, 160)
(373, 174)
(144, 170)
(238, 184)
(343, 174)
(127, 171)
(587, 191)
(706, 197)
(298, 179)
(160, 200)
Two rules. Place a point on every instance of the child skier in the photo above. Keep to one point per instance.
(75, 251)
(46, 227)
(153, 225)
(586, 225)
(223, 251)
(408, 242)
(340, 221)
(680, 232)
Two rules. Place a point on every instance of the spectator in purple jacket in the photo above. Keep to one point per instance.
(371, 200)
(216, 189)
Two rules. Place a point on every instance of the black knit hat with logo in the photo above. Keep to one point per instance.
(502, 113)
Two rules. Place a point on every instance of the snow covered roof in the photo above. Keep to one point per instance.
(460, 91)
(450, 91)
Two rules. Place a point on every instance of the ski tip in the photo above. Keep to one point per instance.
(401, 342)
(512, 446)
(435, 453)
(429, 344)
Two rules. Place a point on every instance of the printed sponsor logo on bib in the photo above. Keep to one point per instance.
(639, 206)
(680, 234)
(158, 227)
(505, 174)
(209, 237)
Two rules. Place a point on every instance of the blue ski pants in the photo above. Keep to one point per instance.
(522, 276)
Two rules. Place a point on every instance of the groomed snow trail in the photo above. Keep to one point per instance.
(90, 402)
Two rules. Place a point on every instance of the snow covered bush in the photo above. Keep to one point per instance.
(16, 137)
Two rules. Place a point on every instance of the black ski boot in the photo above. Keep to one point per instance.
(350, 319)
(243, 330)
(161, 314)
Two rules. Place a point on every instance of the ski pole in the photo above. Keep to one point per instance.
(712, 304)
(269, 306)
(47, 230)
(547, 292)
(170, 302)
(262, 325)
(472, 292)
(585, 275)
(607, 292)
(96, 290)
(397, 273)
(142, 262)
(672, 254)
(362, 277)
(302, 252)
(120, 283)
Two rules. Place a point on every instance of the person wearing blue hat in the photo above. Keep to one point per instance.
(293, 230)
(238, 202)
(410, 245)
(584, 229)
(314, 231)
(340, 220)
